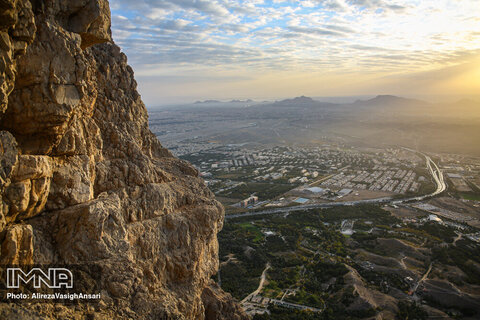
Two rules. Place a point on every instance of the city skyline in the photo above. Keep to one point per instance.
(188, 50)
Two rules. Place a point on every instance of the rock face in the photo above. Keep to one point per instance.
(83, 179)
(220, 305)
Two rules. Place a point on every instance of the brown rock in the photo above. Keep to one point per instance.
(17, 246)
(80, 165)
(27, 195)
(33, 167)
(220, 305)
(17, 199)
(17, 30)
(8, 157)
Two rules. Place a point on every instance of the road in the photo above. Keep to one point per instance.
(320, 180)
(275, 301)
(434, 170)
(459, 236)
(294, 305)
(260, 285)
(309, 206)
(423, 278)
(437, 176)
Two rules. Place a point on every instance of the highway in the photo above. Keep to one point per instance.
(438, 178)
(309, 206)
(434, 170)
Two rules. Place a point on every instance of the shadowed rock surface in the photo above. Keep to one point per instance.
(83, 180)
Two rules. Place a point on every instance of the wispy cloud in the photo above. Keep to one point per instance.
(255, 37)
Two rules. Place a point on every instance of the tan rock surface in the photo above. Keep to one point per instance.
(220, 305)
(17, 245)
(84, 180)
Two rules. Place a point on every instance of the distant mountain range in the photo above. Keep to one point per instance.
(389, 100)
(379, 100)
(304, 101)
(207, 102)
(297, 100)
(218, 101)
(241, 101)
(446, 126)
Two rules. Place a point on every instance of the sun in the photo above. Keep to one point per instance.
(469, 80)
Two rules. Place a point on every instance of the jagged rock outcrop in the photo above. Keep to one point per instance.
(220, 305)
(17, 30)
(83, 180)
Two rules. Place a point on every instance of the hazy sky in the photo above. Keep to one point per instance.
(186, 50)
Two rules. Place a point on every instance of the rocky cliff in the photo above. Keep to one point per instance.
(83, 180)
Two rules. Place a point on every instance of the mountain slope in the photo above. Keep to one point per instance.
(83, 179)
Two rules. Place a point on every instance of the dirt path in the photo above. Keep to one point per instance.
(459, 236)
(260, 285)
(423, 278)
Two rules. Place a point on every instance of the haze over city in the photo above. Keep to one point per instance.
(188, 50)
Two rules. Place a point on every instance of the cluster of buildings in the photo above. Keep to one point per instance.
(179, 149)
(437, 211)
(309, 158)
(381, 178)
(390, 170)
(249, 201)
(259, 305)
(462, 171)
